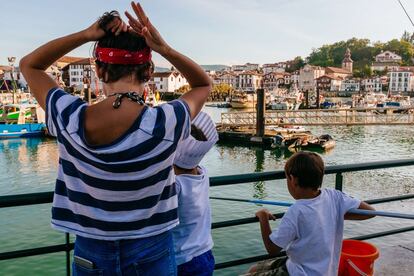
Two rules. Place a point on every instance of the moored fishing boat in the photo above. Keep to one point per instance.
(30, 122)
(304, 141)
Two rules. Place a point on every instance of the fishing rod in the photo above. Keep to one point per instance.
(352, 211)
(402, 6)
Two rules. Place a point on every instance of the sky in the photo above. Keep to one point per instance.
(213, 31)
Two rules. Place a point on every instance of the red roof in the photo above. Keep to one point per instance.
(337, 70)
(69, 59)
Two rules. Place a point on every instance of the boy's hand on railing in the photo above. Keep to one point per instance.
(264, 214)
(143, 27)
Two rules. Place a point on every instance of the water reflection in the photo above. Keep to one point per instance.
(259, 187)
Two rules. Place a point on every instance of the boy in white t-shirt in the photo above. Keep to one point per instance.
(192, 237)
(311, 230)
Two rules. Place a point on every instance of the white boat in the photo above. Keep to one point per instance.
(369, 100)
(284, 103)
(288, 129)
(241, 101)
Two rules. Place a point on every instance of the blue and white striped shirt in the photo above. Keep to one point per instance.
(123, 190)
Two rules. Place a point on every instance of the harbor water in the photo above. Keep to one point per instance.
(29, 165)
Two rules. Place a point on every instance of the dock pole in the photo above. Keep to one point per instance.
(260, 112)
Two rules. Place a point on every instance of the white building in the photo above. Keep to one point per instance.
(308, 75)
(229, 78)
(245, 67)
(401, 80)
(386, 61)
(249, 81)
(371, 84)
(388, 56)
(278, 67)
(81, 74)
(167, 81)
(351, 85)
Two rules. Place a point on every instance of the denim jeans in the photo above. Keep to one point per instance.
(148, 256)
(202, 265)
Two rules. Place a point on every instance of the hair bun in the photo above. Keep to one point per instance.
(106, 19)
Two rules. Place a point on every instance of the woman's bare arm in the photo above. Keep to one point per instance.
(199, 81)
(33, 65)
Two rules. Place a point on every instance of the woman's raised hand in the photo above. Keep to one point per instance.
(96, 32)
(143, 27)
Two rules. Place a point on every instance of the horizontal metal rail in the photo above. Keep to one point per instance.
(47, 197)
(242, 221)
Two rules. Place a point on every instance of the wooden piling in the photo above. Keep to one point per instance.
(260, 113)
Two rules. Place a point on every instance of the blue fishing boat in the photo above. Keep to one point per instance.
(29, 122)
(21, 130)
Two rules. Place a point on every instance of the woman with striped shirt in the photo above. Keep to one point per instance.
(115, 187)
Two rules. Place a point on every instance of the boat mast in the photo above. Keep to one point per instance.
(402, 6)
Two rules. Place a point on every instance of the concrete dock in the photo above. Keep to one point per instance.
(395, 260)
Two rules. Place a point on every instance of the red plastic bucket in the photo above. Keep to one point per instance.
(357, 258)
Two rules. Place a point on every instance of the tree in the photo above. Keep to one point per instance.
(221, 91)
(295, 64)
(183, 89)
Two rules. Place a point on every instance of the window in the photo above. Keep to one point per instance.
(161, 86)
(172, 79)
(161, 79)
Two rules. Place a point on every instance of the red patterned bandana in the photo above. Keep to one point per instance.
(119, 56)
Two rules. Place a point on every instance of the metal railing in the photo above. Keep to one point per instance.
(338, 170)
(321, 117)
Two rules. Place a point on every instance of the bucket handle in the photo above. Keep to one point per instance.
(356, 268)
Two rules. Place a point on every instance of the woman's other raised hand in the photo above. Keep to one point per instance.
(143, 27)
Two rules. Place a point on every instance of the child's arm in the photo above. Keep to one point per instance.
(363, 206)
(264, 216)
(199, 81)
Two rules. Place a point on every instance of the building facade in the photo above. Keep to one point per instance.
(387, 60)
(371, 84)
(278, 67)
(245, 67)
(308, 75)
(351, 85)
(249, 81)
(169, 81)
(81, 74)
(401, 80)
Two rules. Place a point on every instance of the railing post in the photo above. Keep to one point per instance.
(67, 254)
(339, 181)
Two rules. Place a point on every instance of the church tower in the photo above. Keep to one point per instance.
(347, 63)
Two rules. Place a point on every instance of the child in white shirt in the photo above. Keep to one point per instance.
(311, 230)
(192, 237)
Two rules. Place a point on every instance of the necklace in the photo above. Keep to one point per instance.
(132, 96)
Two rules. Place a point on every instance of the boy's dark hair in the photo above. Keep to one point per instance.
(124, 41)
(198, 134)
(307, 167)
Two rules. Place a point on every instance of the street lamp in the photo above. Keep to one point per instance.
(11, 61)
(86, 84)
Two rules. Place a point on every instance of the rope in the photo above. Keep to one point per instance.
(352, 211)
